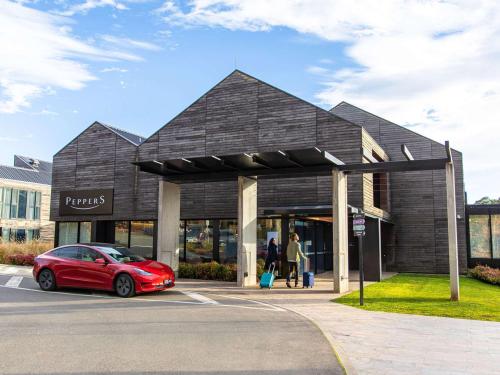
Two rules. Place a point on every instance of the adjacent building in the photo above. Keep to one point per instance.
(99, 194)
(25, 190)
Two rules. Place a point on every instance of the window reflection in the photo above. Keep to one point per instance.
(121, 233)
(141, 238)
(199, 241)
(479, 236)
(228, 241)
(495, 231)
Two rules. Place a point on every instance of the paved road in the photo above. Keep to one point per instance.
(74, 332)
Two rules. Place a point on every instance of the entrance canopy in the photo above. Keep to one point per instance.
(290, 163)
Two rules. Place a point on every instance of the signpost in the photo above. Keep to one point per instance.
(358, 226)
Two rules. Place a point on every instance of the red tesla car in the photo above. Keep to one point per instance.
(102, 267)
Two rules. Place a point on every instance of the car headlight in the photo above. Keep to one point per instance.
(142, 272)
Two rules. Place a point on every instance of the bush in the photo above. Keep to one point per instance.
(208, 271)
(486, 274)
(21, 252)
(260, 268)
(20, 259)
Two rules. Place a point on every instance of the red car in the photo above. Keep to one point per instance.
(101, 266)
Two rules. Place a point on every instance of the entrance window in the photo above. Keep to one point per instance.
(141, 238)
(199, 241)
(267, 229)
(495, 235)
(479, 236)
(228, 241)
(85, 230)
(68, 233)
(121, 233)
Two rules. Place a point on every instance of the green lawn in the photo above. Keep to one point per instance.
(430, 295)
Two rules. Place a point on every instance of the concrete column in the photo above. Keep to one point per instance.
(452, 231)
(247, 231)
(340, 232)
(169, 215)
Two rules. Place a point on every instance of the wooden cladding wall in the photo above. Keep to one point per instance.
(100, 159)
(242, 114)
(418, 199)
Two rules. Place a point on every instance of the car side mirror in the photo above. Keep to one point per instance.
(100, 261)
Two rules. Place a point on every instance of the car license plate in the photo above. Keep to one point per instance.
(166, 282)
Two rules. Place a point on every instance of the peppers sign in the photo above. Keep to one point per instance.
(86, 202)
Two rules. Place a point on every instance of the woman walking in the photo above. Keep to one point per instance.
(293, 254)
(272, 254)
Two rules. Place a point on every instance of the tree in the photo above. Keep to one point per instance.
(488, 200)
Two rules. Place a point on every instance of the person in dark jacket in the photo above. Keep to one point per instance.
(272, 254)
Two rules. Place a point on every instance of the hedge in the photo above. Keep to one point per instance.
(213, 271)
(208, 271)
(486, 274)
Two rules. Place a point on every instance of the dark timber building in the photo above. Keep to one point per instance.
(407, 218)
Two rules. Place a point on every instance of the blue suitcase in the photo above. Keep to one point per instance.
(267, 278)
(308, 279)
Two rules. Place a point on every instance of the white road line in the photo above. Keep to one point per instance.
(200, 298)
(268, 305)
(14, 281)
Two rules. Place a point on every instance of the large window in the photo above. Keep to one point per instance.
(479, 236)
(228, 241)
(68, 233)
(141, 238)
(121, 233)
(495, 235)
(20, 204)
(199, 241)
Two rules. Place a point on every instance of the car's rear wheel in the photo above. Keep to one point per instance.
(47, 280)
(124, 286)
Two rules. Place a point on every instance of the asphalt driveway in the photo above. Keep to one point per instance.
(75, 332)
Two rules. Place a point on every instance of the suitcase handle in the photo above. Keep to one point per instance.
(272, 264)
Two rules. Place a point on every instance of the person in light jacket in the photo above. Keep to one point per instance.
(293, 254)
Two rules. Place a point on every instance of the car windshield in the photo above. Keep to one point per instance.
(121, 254)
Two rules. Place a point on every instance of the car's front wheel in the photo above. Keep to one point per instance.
(124, 286)
(47, 280)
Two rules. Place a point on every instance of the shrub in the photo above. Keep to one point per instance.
(208, 271)
(9, 250)
(260, 267)
(486, 274)
(20, 259)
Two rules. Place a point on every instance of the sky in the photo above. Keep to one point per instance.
(432, 66)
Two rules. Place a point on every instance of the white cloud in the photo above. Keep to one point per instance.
(114, 69)
(39, 55)
(89, 5)
(431, 65)
(130, 43)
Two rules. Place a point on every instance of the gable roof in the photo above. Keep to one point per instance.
(362, 117)
(132, 138)
(32, 163)
(237, 71)
(26, 174)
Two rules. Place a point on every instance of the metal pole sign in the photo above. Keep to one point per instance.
(358, 226)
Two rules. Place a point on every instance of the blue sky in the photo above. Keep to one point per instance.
(135, 64)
